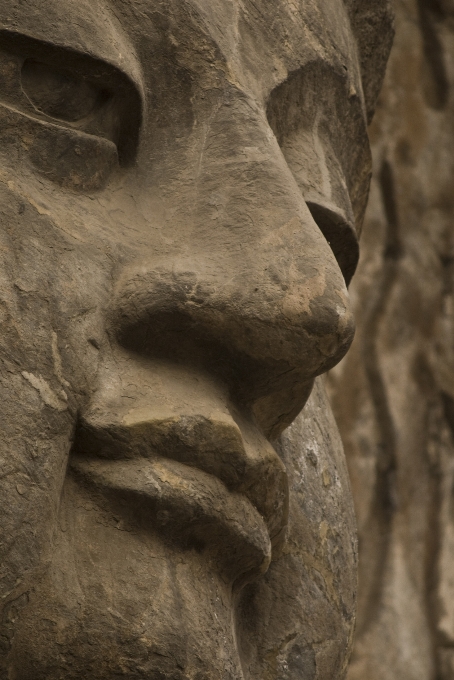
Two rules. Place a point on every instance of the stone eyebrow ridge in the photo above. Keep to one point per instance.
(83, 27)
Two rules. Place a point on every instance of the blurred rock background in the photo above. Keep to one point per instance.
(393, 395)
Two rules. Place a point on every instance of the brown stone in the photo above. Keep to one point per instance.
(181, 188)
(393, 394)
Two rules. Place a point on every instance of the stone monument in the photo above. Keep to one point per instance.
(181, 187)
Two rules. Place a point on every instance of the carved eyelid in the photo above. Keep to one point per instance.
(105, 76)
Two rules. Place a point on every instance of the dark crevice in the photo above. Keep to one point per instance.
(443, 642)
(432, 553)
(432, 427)
(435, 80)
(447, 265)
(384, 501)
(340, 236)
(393, 245)
(448, 408)
(437, 7)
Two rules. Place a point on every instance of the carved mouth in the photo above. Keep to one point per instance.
(200, 482)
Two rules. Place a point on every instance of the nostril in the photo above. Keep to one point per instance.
(190, 319)
(340, 235)
(264, 334)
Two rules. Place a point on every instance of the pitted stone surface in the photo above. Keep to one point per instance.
(182, 184)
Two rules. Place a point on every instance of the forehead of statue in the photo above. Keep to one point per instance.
(271, 37)
(266, 38)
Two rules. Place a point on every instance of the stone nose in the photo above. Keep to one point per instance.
(252, 290)
(266, 340)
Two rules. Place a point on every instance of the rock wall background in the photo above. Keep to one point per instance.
(393, 395)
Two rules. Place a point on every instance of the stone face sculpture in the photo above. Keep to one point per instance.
(172, 177)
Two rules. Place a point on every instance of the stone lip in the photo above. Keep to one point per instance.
(185, 506)
(199, 482)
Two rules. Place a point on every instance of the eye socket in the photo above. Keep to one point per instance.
(59, 94)
(313, 117)
(58, 85)
(340, 235)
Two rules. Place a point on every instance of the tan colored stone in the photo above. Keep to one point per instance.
(393, 394)
(181, 187)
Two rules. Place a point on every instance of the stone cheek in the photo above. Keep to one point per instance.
(118, 597)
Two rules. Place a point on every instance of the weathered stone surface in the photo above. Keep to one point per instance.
(172, 177)
(298, 621)
(393, 394)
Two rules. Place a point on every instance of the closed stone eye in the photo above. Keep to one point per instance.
(59, 94)
(65, 99)
(80, 116)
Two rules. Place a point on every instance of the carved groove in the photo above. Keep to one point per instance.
(436, 85)
(384, 502)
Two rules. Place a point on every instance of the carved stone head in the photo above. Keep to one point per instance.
(181, 185)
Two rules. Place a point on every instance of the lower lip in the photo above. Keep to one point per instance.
(184, 506)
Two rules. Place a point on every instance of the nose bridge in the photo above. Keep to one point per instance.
(242, 160)
(248, 202)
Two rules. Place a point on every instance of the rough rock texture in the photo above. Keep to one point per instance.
(298, 621)
(181, 186)
(394, 393)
